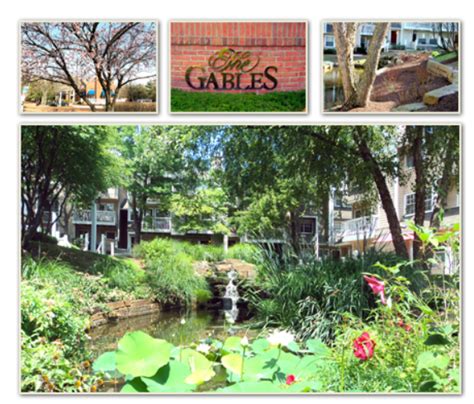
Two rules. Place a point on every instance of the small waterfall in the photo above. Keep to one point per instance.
(231, 298)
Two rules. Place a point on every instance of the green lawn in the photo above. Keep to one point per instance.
(444, 57)
(291, 101)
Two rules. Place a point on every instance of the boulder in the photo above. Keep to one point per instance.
(434, 96)
(413, 107)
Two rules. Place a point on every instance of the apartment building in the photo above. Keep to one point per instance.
(406, 35)
(368, 226)
(114, 222)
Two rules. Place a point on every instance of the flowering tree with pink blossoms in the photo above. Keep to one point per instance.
(72, 53)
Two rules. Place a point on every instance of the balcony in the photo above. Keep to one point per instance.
(104, 217)
(359, 227)
(157, 224)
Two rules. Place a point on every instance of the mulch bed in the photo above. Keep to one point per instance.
(405, 84)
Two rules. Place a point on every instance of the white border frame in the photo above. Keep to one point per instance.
(210, 394)
(388, 113)
(89, 113)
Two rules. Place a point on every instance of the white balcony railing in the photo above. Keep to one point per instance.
(425, 26)
(361, 225)
(157, 224)
(106, 217)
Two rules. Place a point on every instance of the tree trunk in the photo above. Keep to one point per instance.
(384, 193)
(294, 230)
(359, 95)
(137, 220)
(364, 87)
(420, 184)
(345, 34)
(443, 186)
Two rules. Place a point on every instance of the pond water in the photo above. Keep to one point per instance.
(199, 325)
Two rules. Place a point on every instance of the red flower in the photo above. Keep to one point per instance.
(290, 379)
(377, 287)
(364, 347)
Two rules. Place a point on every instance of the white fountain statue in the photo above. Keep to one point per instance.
(232, 294)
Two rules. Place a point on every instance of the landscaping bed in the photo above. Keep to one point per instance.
(403, 84)
(185, 101)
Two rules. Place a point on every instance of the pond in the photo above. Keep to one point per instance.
(198, 325)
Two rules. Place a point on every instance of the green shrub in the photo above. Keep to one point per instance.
(46, 313)
(160, 247)
(203, 296)
(172, 278)
(310, 296)
(45, 367)
(135, 107)
(123, 274)
(288, 101)
(246, 252)
(44, 238)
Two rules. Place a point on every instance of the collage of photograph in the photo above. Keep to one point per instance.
(300, 252)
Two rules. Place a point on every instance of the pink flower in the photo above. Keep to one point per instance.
(290, 379)
(377, 287)
(364, 347)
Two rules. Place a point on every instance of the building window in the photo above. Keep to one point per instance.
(329, 41)
(307, 226)
(329, 28)
(410, 161)
(109, 207)
(410, 204)
(429, 130)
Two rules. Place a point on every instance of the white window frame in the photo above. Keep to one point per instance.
(431, 200)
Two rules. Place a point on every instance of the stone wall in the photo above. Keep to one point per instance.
(238, 56)
(124, 309)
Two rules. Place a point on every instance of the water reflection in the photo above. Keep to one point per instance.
(167, 325)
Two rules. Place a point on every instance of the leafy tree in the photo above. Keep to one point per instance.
(200, 210)
(435, 152)
(72, 53)
(61, 164)
(270, 174)
(158, 162)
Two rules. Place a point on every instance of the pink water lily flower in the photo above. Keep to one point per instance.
(377, 287)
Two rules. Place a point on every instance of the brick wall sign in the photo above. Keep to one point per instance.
(238, 57)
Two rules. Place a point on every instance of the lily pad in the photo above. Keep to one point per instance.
(105, 363)
(139, 354)
(170, 379)
(135, 385)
